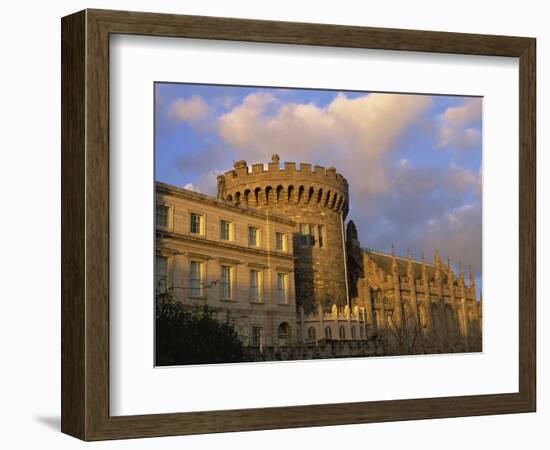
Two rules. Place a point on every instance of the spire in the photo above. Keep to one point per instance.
(472, 279)
(410, 272)
(460, 274)
(393, 259)
(437, 264)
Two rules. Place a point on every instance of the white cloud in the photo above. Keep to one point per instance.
(192, 111)
(361, 129)
(455, 125)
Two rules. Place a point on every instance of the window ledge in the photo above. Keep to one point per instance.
(197, 297)
(228, 300)
(256, 302)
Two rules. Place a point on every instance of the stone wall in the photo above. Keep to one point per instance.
(323, 349)
(309, 196)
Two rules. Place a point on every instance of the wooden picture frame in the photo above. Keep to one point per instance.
(85, 224)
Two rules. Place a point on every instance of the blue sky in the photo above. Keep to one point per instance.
(413, 162)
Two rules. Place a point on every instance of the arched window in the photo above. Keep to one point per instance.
(319, 195)
(311, 334)
(257, 196)
(283, 334)
(353, 332)
(301, 191)
(435, 319)
(268, 195)
(423, 318)
(461, 322)
(246, 197)
(472, 321)
(327, 196)
(333, 200)
(290, 193)
(328, 333)
(311, 194)
(362, 332)
(451, 321)
(279, 196)
(339, 203)
(342, 332)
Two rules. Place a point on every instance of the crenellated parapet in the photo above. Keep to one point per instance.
(256, 186)
(334, 323)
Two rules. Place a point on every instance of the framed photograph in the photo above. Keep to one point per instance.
(273, 225)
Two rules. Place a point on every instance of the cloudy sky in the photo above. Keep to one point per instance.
(413, 162)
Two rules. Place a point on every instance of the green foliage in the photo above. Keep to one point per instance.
(193, 335)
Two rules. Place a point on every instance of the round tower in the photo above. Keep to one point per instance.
(317, 200)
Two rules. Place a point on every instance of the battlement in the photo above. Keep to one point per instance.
(337, 313)
(241, 173)
(308, 184)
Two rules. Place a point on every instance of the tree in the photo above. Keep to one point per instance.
(193, 335)
(403, 338)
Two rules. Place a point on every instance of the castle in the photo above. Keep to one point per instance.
(272, 249)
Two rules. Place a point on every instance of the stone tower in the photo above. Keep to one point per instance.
(317, 200)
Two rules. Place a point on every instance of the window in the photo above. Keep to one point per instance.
(321, 235)
(328, 333)
(283, 334)
(282, 283)
(303, 234)
(423, 316)
(253, 236)
(162, 216)
(161, 275)
(257, 337)
(362, 332)
(353, 332)
(307, 234)
(227, 282)
(311, 235)
(342, 332)
(226, 230)
(196, 225)
(255, 289)
(280, 242)
(197, 274)
(311, 334)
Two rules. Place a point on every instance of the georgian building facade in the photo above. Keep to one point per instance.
(230, 258)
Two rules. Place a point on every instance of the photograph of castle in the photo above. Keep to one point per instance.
(296, 224)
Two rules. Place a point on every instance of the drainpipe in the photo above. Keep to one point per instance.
(345, 258)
